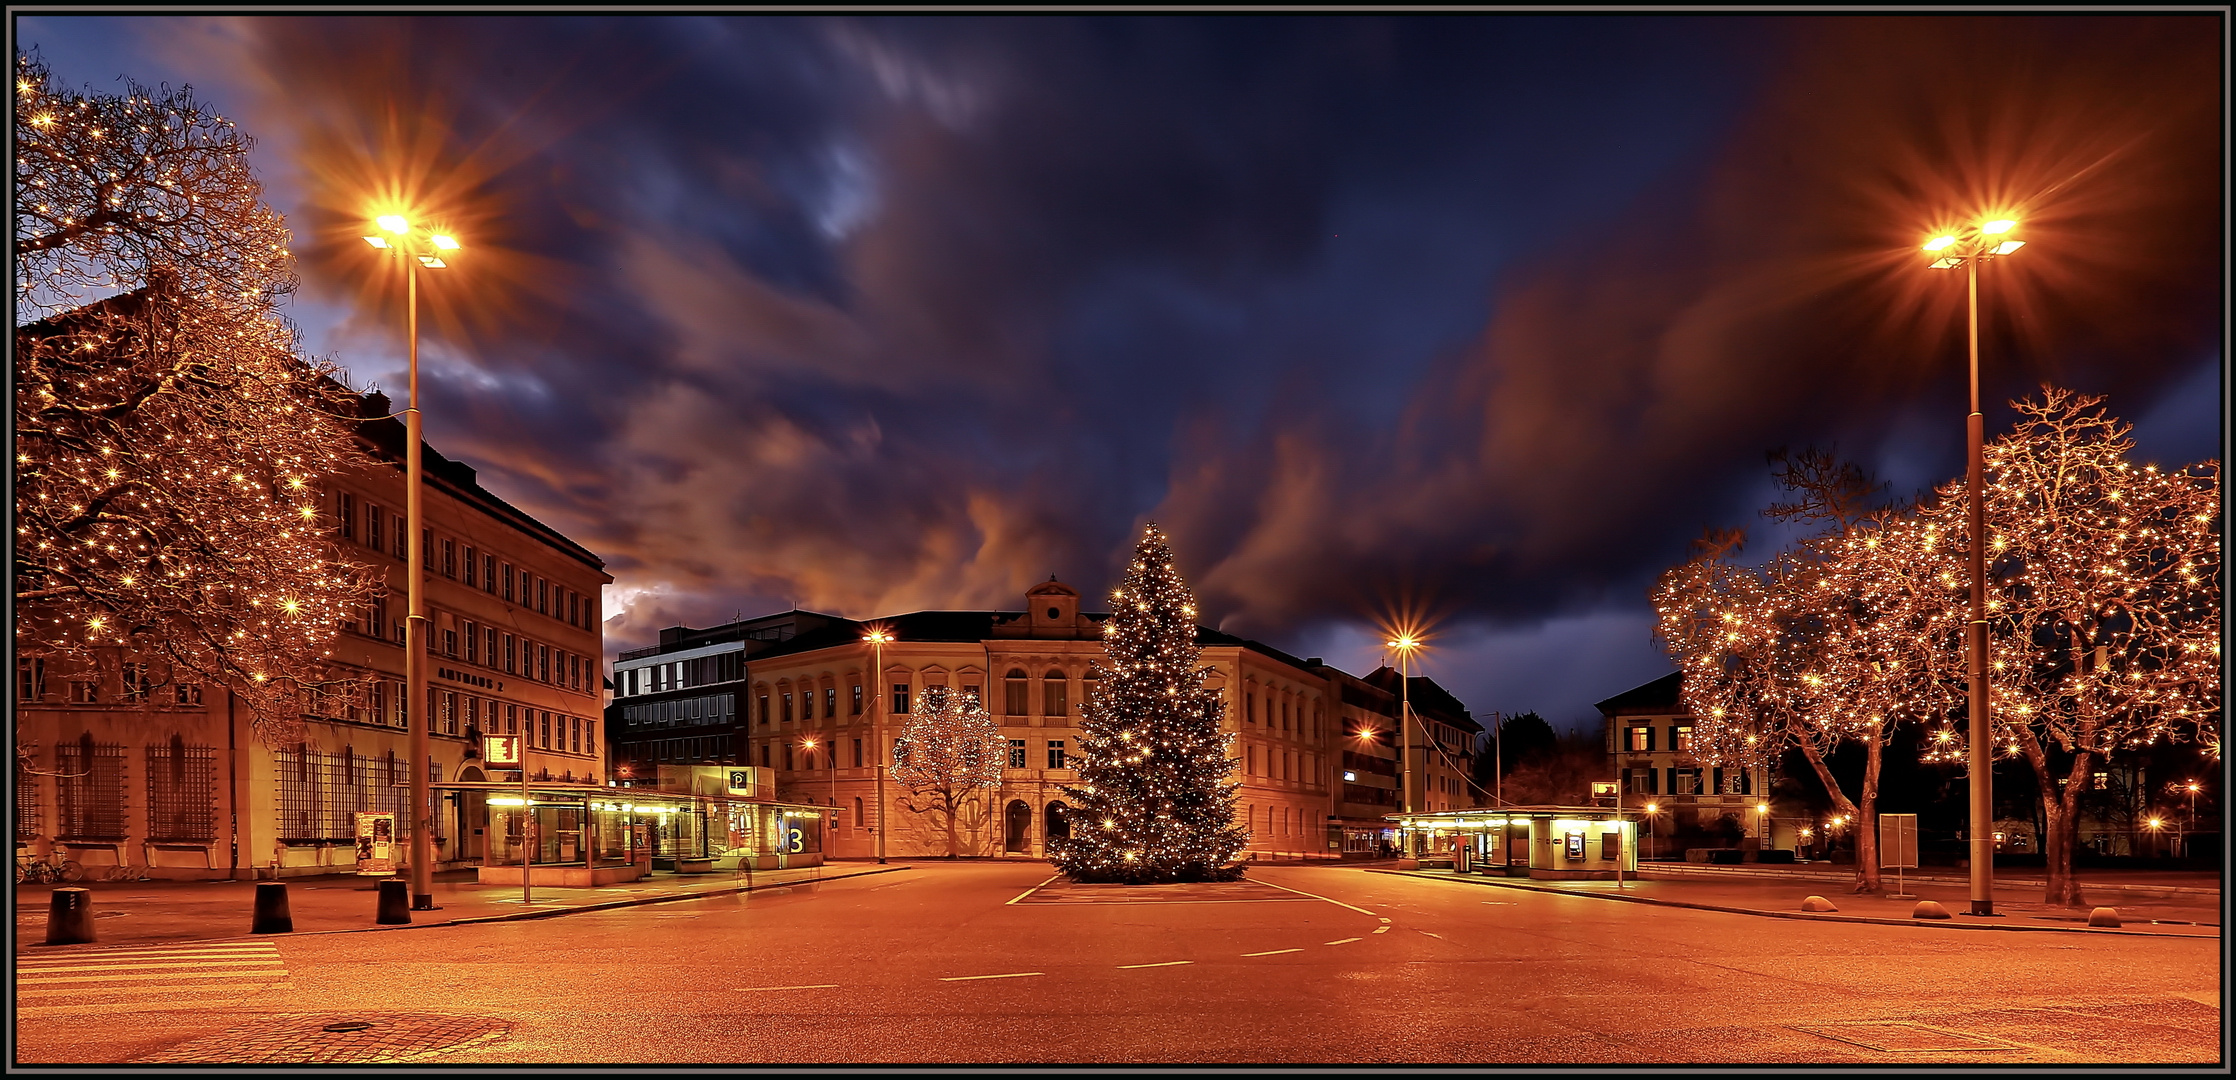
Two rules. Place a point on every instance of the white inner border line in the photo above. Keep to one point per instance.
(1317, 896)
(1011, 975)
(1034, 889)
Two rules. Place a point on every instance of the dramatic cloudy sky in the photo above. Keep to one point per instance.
(1479, 318)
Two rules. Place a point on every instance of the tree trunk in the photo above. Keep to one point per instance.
(2061, 828)
(953, 810)
(1867, 825)
(1841, 803)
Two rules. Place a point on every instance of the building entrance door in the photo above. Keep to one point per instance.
(1018, 825)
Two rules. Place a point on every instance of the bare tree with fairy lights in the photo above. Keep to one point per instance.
(950, 751)
(1155, 801)
(170, 439)
(2104, 605)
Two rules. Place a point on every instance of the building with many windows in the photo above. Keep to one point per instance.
(1649, 738)
(110, 773)
(812, 704)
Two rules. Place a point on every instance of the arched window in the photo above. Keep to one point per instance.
(1013, 692)
(1055, 694)
(1055, 822)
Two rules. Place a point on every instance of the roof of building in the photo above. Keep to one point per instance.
(1660, 695)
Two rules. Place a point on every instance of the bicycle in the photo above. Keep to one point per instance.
(124, 872)
(48, 871)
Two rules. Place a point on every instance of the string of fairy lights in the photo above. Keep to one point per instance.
(2103, 607)
(1156, 797)
(171, 440)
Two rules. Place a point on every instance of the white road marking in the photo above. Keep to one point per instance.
(1168, 963)
(1438, 937)
(1317, 896)
(1381, 929)
(813, 986)
(149, 966)
(1011, 975)
(1385, 920)
(1340, 941)
(1029, 892)
(50, 979)
(106, 1007)
(260, 948)
(1272, 952)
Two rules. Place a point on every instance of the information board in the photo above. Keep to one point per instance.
(1898, 840)
(376, 842)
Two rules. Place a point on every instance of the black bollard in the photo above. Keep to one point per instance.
(395, 903)
(70, 917)
(272, 916)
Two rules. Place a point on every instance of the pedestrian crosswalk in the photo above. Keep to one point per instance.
(151, 978)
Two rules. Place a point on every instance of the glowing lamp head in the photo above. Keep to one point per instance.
(1998, 227)
(1763, 808)
(1940, 243)
(877, 637)
(1653, 808)
(393, 223)
(2009, 246)
(377, 241)
(447, 243)
(2157, 823)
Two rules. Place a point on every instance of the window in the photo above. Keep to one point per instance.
(1016, 753)
(345, 515)
(449, 713)
(857, 802)
(89, 790)
(544, 740)
(84, 692)
(473, 644)
(191, 693)
(31, 680)
(182, 789)
(830, 701)
(764, 755)
(1640, 739)
(506, 580)
(574, 734)
(512, 719)
(543, 596)
(787, 755)
(1250, 761)
(450, 643)
(403, 541)
(469, 567)
(134, 680)
(1013, 692)
(1284, 714)
(857, 689)
(1681, 738)
(1056, 754)
(787, 710)
(1054, 691)
(543, 663)
(489, 645)
(373, 535)
(807, 703)
(376, 612)
(450, 559)
(764, 710)
(900, 697)
(489, 573)
(857, 761)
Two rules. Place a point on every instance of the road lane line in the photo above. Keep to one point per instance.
(49, 980)
(1272, 952)
(166, 991)
(1385, 920)
(1029, 892)
(1341, 941)
(1168, 963)
(1381, 929)
(27, 969)
(814, 986)
(1438, 937)
(1011, 975)
(158, 954)
(1317, 896)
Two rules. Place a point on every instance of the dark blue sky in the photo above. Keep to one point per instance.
(1479, 316)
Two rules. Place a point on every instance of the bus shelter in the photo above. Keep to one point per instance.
(1550, 842)
(567, 834)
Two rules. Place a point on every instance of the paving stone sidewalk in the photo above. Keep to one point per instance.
(147, 912)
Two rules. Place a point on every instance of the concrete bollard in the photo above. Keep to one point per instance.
(395, 903)
(2104, 916)
(1927, 909)
(1817, 903)
(70, 917)
(272, 916)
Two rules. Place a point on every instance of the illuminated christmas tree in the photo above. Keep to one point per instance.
(950, 751)
(1154, 802)
(170, 439)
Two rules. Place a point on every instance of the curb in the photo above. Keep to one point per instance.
(515, 916)
(1798, 915)
(2155, 892)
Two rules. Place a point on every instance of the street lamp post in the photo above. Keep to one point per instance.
(877, 640)
(1969, 249)
(420, 248)
(1652, 809)
(1405, 644)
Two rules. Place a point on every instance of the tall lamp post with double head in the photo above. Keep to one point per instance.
(877, 640)
(1969, 248)
(418, 248)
